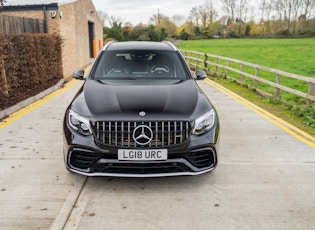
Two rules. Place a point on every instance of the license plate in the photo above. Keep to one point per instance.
(142, 154)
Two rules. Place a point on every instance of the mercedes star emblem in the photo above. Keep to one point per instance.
(143, 135)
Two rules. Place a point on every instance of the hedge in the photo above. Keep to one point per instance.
(29, 64)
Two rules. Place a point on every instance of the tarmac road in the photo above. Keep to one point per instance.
(265, 178)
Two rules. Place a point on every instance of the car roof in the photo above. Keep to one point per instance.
(140, 45)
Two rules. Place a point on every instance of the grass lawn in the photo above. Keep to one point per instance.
(289, 55)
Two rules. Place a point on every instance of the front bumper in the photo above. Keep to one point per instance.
(94, 163)
(83, 156)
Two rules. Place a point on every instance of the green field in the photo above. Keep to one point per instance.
(290, 55)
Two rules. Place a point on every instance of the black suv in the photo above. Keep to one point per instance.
(140, 113)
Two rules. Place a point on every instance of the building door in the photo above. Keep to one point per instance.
(91, 38)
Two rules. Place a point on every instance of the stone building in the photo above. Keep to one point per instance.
(75, 20)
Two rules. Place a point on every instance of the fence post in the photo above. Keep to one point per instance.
(241, 75)
(216, 66)
(197, 65)
(205, 63)
(192, 61)
(257, 75)
(227, 70)
(311, 89)
(278, 81)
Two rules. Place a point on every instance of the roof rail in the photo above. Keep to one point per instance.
(170, 44)
(108, 44)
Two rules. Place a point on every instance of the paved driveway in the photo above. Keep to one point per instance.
(265, 178)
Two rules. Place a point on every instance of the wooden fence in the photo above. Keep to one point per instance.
(16, 25)
(264, 80)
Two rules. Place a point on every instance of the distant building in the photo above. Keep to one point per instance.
(75, 20)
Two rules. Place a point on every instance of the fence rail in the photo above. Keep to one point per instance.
(254, 76)
(16, 25)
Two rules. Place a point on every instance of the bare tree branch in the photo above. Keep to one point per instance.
(229, 7)
(1, 4)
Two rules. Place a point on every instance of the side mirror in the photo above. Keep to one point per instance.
(200, 74)
(79, 74)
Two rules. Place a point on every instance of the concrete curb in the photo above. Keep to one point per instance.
(20, 105)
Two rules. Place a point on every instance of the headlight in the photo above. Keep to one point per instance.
(79, 123)
(204, 123)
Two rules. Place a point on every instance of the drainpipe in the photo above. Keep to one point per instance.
(45, 20)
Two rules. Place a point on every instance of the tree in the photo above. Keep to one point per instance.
(115, 31)
(115, 20)
(139, 32)
(184, 35)
(212, 15)
(103, 16)
(262, 7)
(295, 11)
(282, 17)
(1, 3)
(243, 10)
(268, 12)
(308, 6)
(189, 28)
(163, 23)
(156, 19)
(204, 17)
(153, 34)
(178, 19)
(194, 15)
(229, 7)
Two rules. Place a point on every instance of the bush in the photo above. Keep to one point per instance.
(29, 64)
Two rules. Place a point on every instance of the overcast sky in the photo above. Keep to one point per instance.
(136, 11)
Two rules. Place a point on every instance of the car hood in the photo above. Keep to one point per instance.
(103, 101)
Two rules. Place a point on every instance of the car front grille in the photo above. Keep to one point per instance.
(121, 134)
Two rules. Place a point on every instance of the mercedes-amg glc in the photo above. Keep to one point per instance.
(140, 113)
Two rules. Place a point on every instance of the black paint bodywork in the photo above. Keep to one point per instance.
(121, 101)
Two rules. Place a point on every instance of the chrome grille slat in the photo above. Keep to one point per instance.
(103, 131)
(129, 133)
(150, 125)
(175, 132)
(156, 133)
(110, 133)
(120, 134)
(187, 131)
(134, 126)
(169, 133)
(97, 134)
(181, 132)
(116, 134)
(163, 134)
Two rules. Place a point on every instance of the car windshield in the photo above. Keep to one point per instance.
(140, 64)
